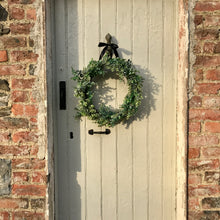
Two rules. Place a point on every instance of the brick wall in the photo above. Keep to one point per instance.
(204, 114)
(22, 111)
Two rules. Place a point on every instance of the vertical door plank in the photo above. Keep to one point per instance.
(169, 116)
(93, 142)
(139, 58)
(155, 118)
(62, 146)
(124, 140)
(107, 24)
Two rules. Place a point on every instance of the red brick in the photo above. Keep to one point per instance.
(211, 102)
(212, 177)
(193, 153)
(20, 96)
(24, 136)
(13, 123)
(4, 216)
(204, 164)
(31, 190)
(22, 83)
(31, 14)
(11, 70)
(18, 109)
(194, 179)
(4, 136)
(213, 74)
(197, 49)
(207, 61)
(207, 6)
(209, 47)
(198, 19)
(194, 126)
(31, 110)
(12, 42)
(202, 190)
(211, 152)
(195, 102)
(16, 13)
(28, 164)
(204, 140)
(20, 28)
(193, 204)
(203, 215)
(207, 34)
(3, 56)
(24, 56)
(20, 177)
(217, 48)
(39, 177)
(28, 216)
(13, 150)
(213, 127)
(198, 75)
(8, 203)
(211, 20)
(204, 114)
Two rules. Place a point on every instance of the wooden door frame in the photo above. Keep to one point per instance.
(181, 100)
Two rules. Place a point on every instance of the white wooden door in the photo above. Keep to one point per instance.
(129, 174)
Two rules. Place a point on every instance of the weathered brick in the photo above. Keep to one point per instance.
(16, 13)
(204, 140)
(20, 177)
(209, 47)
(23, 83)
(31, 14)
(38, 203)
(31, 190)
(207, 34)
(207, 88)
(207, 6)
(13, 150)
(24, 136)
(211, 152)
(211, 20)
(207, 61)
(12, 42)
(9, 203)
(213, 74)
(18, 109)
(12, 70)
(217, 48)
(211, 102)
(205, 164)
(193, 153)
(20, 96)
(4, 136)
(13, 123)
(194, 179)
(5, 177)
(24, 56)
(31, 110)
(20, 28)
(4, 99)
(4, 85)
(204, 215)
(212, 177)
(28, 164)
(198, 19)
(28, 216)
(203, 190)
(211, 203)
(195, 101)
(204, 114)
(194, 126)
(4, 215)
(3, 56)
(213, 127)
(198, 75)
(39, 177)
(193, 204)
(5, 112)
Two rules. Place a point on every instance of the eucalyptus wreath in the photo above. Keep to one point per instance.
(105, 116)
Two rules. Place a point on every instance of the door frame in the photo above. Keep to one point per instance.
(181, 112)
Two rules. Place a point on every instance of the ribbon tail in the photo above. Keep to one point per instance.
(102, 44)
(103, 52)
(115, 52)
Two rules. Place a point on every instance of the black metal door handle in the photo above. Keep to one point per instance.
(62, 95)
(91, 132)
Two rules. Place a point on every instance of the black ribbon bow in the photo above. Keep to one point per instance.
(109, 48)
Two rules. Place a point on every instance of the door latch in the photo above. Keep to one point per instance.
(107, 131)
(3, 30)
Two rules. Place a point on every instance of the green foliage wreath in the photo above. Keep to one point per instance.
(105, 116)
